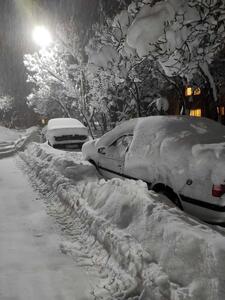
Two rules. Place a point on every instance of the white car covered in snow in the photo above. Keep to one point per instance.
(63, 132)
(182, 157)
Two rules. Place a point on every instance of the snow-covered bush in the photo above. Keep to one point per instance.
(116, 72)
(177, 39)
(122, 84)
(159, 106)
(57, 75)
(6, 103)
(6, 109)
(183, 36)
(48, 72)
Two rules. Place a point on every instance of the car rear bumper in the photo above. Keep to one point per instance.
(208, 212)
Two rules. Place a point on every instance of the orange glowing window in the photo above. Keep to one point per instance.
(221, 110)
(196, 112)
(188, 91)
(197, 91)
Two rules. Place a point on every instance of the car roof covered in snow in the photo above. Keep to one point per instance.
(59, 123)
(124, 128)
(197, 129)
(194, 129)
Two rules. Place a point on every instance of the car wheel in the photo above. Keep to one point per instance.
(93, 163)
(169, 193)
(175, 199)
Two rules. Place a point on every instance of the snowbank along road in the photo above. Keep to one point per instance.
(156, 251)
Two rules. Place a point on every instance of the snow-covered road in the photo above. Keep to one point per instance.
(31, 264)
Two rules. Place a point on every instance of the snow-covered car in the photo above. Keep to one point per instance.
(179, 156)
(63, 132)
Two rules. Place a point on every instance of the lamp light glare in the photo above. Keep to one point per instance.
(42, 36)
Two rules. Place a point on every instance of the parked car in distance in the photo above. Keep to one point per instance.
(66, 132)
(179, 156)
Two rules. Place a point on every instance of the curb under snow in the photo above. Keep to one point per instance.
(170, 255)
(10, 148)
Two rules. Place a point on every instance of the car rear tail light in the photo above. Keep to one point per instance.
(218, 190)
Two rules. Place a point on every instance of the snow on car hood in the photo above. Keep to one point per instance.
(176, 149)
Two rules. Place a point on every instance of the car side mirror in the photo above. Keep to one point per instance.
(101, 150)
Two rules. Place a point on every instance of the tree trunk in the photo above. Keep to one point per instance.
(138, 102)
(88, 123)
(83, 102)
(181, 98)
(211, 107)
(137, 99)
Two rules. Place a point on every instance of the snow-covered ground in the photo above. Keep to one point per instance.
(12, 140)
(157, 251)
(31, 263)
(33, 244)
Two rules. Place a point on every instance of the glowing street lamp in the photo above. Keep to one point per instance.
(42, 36)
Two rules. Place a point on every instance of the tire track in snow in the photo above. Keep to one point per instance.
(83, 247)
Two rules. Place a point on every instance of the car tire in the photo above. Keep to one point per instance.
(94, 164)
(169, 193)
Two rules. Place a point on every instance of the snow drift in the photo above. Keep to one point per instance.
(12, 140)
(169, 255)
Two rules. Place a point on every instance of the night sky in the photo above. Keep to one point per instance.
(18, 17)
(17, 20)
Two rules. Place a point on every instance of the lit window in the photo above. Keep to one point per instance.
(221, 110)
(196, 112)
(188, 91)
(197, 91)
